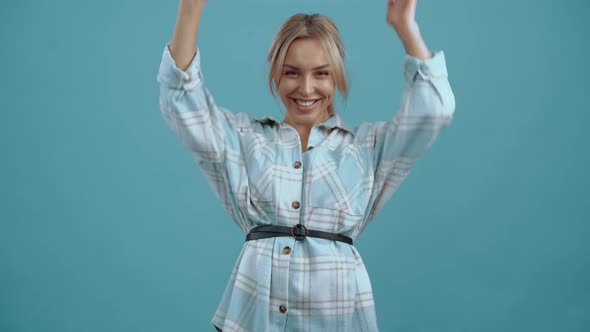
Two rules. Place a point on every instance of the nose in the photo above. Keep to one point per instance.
(307, 86)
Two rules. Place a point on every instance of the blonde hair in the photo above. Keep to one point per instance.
(308, 26)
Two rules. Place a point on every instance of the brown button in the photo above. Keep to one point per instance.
(297, 164)
(286, 250)
(283, 308)
(295, 204)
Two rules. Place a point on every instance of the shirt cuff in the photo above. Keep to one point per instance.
(434, 67)
(171, 76)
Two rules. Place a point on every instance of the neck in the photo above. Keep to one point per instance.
(304, 129)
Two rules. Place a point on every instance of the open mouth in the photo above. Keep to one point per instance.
(305, 103)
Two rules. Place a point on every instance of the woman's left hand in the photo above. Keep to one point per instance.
(401, 15)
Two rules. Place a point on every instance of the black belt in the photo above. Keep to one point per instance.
(299, 232)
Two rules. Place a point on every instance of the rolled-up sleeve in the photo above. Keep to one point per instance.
(427, 105)
(432, 72)
(190, 111)
(172, 77)
(209, 132)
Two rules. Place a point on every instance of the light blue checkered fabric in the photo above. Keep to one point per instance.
(343, 182)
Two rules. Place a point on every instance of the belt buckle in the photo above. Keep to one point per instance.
(299, 237)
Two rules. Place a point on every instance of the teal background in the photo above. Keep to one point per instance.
(108, 225)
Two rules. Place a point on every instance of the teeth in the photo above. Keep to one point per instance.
(305, 103)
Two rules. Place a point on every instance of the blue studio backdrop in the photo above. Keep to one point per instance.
(107, 224)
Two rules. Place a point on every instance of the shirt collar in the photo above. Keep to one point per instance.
(332, 122)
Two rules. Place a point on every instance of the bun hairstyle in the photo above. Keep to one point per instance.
(308, 26)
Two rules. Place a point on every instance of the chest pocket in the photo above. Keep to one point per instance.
(259, 156)
(339, 181)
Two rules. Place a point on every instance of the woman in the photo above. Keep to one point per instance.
(303, 188)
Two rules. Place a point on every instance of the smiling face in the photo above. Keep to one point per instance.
(306, 85)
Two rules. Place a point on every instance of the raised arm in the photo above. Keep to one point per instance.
(208, 131)
(426, 106)
(184, 39)
(401, 16)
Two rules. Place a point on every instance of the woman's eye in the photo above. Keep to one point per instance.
(290, 73)
(323, 73)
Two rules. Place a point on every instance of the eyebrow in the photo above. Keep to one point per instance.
(316, 68)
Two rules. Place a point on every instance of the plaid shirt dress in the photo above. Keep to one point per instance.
(258, 171)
